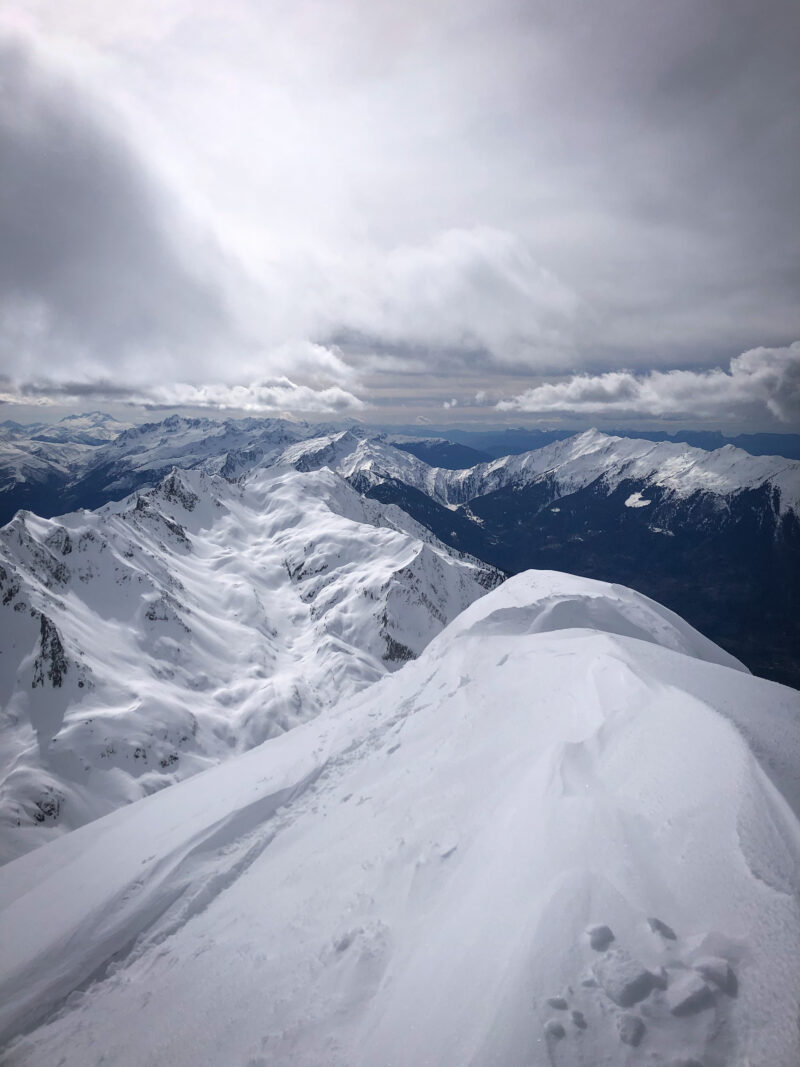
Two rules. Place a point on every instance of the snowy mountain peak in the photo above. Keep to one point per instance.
(541, 602)
(566, 834)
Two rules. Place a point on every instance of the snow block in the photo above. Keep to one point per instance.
(688, 995)
(557, 1002)
(659, 927)
(718, 971)
(630, 1028)
(554, 1029)
(600, 937)
(624, 979)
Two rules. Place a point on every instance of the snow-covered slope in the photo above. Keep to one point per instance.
(566, 835)
(571, 465)
(38, 459)
(89, 460)
(148, 640)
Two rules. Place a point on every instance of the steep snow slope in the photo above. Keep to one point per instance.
(425, 873)
(572, 464)
(153, 638)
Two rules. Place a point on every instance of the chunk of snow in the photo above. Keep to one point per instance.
(553, 1028)
(688, 994)
(659, 927)
(600, 937)
(630, 1028)
(717, 970)
(624, 979)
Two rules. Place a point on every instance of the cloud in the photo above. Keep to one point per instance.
(761, 383)
(95, 268)
(444, 196)
(269, 395)
(465, 295)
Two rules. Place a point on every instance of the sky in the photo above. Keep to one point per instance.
(477, 213)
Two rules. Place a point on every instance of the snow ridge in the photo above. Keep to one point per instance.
(572, 464)
(544, 841)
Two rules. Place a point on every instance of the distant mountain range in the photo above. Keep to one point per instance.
(493, 444)
(712, 534)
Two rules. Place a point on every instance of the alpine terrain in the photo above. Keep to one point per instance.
(293, 774)
(566, 834)
(155, 637)
(713, 535)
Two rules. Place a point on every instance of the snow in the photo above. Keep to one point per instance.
(416, 875)
(571, 465)
(635, 501)
(151, 639)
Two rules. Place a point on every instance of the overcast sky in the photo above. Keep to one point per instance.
(480, 211)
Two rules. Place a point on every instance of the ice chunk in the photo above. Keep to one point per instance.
(624, 979)
(630, 1028)
(688, 995)
(659, 927)
(600, 937)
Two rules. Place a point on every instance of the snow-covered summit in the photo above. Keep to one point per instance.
(158, 636)
(547, 841)
(89, 428)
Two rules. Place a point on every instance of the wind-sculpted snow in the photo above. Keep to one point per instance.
(546, 841)
(159, 636)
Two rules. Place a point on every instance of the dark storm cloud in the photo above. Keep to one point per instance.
(88, 265)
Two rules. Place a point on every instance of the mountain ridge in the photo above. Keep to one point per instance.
(159, 635)
(421, 871)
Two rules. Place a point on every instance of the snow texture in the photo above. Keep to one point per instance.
(409, 877)
(571, 465)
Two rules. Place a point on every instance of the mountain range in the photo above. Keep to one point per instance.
(293, 773)
(155, 637)
(712, 534)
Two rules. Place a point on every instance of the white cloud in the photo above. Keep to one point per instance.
(761, 383)
(463, 292)
(271, 395)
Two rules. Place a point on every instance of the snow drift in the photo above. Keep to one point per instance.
(567, 834)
